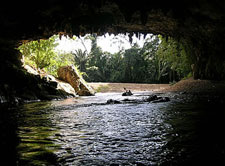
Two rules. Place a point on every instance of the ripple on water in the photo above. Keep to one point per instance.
(82, 133)
(106, 133)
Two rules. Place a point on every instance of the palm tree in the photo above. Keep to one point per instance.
(81, 58)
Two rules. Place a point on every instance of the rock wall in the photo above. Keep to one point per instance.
(29, 87)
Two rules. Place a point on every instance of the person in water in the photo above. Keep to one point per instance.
(127, 92)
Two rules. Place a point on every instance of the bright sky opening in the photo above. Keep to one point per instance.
(110, 43)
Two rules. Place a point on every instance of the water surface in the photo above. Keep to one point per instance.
(87, 132)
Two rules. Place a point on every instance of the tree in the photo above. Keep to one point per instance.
(41, 55)
(39, 52)
(96, 61)
(134, 65)
(160, 60)
(81, 59)
(61, 59)
(174, 55)
(152, 62)
(117, 67)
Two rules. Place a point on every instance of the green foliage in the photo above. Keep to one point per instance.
(158, 61)
(134, 65)
(152, 61)
(61, 59)
(80, 59)
(41, 55)
(174, 54)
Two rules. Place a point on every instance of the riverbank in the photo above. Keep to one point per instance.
(184, 86)
(192, 86)
(119, 87)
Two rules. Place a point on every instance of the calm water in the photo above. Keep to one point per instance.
(87, 132)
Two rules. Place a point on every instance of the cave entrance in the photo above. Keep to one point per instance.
(126, 58)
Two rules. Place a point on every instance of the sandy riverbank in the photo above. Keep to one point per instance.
(119, 87)
(188, 86)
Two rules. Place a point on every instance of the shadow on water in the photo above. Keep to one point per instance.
(75, 132)
(197, 135)
(25, 135)
(35, 129)
(8, 136)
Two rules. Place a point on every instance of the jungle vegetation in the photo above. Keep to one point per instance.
(160, 60)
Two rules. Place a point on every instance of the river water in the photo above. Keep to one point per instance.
(86, 131)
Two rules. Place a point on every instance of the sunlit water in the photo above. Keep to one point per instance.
(87, 132)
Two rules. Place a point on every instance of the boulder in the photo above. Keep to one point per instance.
(111, 101)
(30, 70)
(61, 85)
(161, 99)
(50, 81)
(69, 74)
(151, 98)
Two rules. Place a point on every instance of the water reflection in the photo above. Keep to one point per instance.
(35, 129)
(110, 134)
(70, 132)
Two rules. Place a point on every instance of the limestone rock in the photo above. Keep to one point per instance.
(30, 70)
(151, 98)
(161, 99)
(61, 85)
(52, 81)
(111, 101)
(70, 75)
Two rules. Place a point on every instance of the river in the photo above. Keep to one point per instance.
(86, 131)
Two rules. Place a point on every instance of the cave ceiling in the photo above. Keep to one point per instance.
(40, 19)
